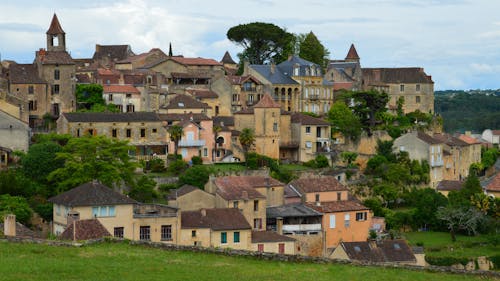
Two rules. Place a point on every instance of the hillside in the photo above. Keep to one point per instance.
(474, 110)
(123, 262)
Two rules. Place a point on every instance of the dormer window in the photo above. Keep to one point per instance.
(296, 70)
(180, 104)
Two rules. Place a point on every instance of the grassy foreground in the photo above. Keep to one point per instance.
(110, 261)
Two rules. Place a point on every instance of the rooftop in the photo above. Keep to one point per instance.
(380, 251)
(291, 210)
(215, 219)
(85, 230)
(111, 117)
(338, 206)
(269, 237)
(317, 184)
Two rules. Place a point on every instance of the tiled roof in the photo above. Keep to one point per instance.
(170, 117)
(185, 102)
(82, 78)
(239, 80)
(494, 185)
(85, 230)
(129, 89)
(469, 139)
(24, 74)
(55, 27)
(317, 184)
(203, 94)
(54, 57)
(269, 237)
(305, 119)
(352, 54)
(195, 61)
(215, 219)
(190, 75)
(224, 120)
(291, 192)
(380, 251)
(107, 71)
(495, 132)
(111, 117)
(227, 58)
(91, 194)
(243, 187)
(449, 185)
(427, 139)
(183, 190)
(112, 52)
(291, 210)
(396, 75)
(338, 206)
(267, 102)
(450, 140)
(274, 76)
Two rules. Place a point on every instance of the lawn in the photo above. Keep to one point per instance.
(440, 244)
(119, 261)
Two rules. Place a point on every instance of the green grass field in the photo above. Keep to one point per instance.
(119, 261)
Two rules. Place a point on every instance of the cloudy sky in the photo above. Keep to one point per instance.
(456, 41)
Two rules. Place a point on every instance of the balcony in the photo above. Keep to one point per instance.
(191, 143)
(313, 97)
(437, 163)
(301, 227)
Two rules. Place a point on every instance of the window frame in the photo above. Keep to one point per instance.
(166, 232)
(223, 237)
(118, 232)
(145, 233)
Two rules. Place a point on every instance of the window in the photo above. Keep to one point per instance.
(77, 132)
(193, 233)
(332, 221)
(114, 133)
(154, 130)
(361, 216)
(118, 232)
(31, 90)
(308, 130)
(401, 88)
(32, 105)
(223, 237)
(347, 220)
(308, 144)
(255, 205)
(110, 97)
(317, 197)
(57, 74)
(55, 89)
(318, 132)
(417, 99)
(128, 96)
(143, 133)
(103, 211)
(417, 87)
(257, 223)
(205, 152)
(236, 237)
(145, 233)
(260, 247)
(58, 210)
(130, 108)
(339, 196)
(235, 204)
(275, 126)
(166, 232)
(129, 133)
(281, 248)
(236, 97)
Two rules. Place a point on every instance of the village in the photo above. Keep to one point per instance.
(174, 110)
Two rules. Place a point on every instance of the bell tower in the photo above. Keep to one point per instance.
(56, 37)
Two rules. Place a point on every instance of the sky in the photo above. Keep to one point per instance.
(457, 42)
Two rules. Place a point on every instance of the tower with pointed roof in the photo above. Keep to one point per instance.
(56, 37)
(352, 55)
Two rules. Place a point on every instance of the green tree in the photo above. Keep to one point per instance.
(175, 132)
(88, 95)
(368, 105)
(489, 157)
(384, 148)
(462, 197)
(94, 157)
(216, 129)
(312, 50)
(262, 42)
(460, 219)
(344, 121)
(247, 140)
(15, 205)
(388, 192)
(349, 157)
(426, 202)
(196, 176)
(143, 190)
(41, 160)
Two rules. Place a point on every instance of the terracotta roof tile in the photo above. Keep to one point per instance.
(449, 185)
(185, 102)
(215, 219)
(24, 74)
(338, 206)
(111, 117)
(317, 184)
(352, 54)
(267, 102)
(203, 94)
(129, 89)
(494, 185)
(55, 27)
(85, 230)
(305, 119)
(469, 139)
(243, 187)
(269, 237)
(450, 140)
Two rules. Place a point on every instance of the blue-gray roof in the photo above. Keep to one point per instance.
(277, 77)
(291, 210)
(288, 66)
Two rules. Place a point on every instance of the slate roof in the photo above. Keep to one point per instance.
(291, 210)
(427, 139)
(113, 52)
(450, 140)
(91, 194)
(223, 120)
(24, 74)
(266, 102)
(338, 206)
(384, 251)
(120, 89)
(449, 185)
(54, 57)
(352, 54)
(203, 94)
(317, 184)
(287, 67)
(276, 77)
(494, 184)
(170, 117)
(227, 58)
(111, 117)
(183, 190)
(396, 75)
(85, 230)
(55, 27)
(185, 102)
(215, 219)
(305, 119)
(269, 237)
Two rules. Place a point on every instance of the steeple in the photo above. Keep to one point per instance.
(56, 37)
(170, 49)
(227, 59)
(352, 55)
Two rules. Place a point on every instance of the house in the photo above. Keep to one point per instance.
(491, 136)
(421, 146)
(210, 98)
(182, 103)
(230, 66)
(240, 193)
(345, 74)
(272, 242)
(312, 134)
(84, 230)
(445, 186)
(383, 251)
(120, 215)
(127, 98)
(238, 92)
(108, 55)
(493, 186)
(14, 135)
(411, 84)
(225, 228)
(144, 130)
(344, 218)
(190, 198)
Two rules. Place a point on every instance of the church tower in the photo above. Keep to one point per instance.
(56, 37)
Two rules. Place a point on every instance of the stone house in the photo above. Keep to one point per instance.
(209, 98)
(238, 92)
(182, 103)
(230, 66)
(120, 215)
(344, 218)
(107, 56)
(421, 146)
(312, 134)
(345, 74)
(190, 198)
(14, 135)
(127, 98)
(272, 242)
(491, 136)
(144, 130)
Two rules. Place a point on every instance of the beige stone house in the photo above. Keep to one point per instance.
(272, 242)
(182, 103)
(238, 92)
(127, 98)
(345, 74)
(14, 135)
(190, 198)
(122, 216)
(312, 134)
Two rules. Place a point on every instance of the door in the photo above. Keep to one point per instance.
(260, 247)
(281, 248)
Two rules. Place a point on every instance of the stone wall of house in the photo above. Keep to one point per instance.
(366, 147)
(309, 245)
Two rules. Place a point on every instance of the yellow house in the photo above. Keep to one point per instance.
(122, 216)
(312, 134)
(226, 228)
(272, 242)
(190, 198)
(186, 104)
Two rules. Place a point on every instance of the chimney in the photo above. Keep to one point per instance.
(372, 243)
(72, 217)
(9, 225)
(244, 195)
(273, 68)
(97, 48)
(279, 225)
(203, 212)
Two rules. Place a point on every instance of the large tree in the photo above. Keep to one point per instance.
(175, 132)
(368, 105)
(89, 98)
(247, 140)
(312, 50)
(41, 160)
(344, 121)
(262, 42)
(94, 157)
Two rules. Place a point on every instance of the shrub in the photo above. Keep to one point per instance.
(196, 176)
(495, 260)
(173, 157)
(196, 160)
(177, 167)
(167, 187)
(321, 161)
(252, 160)
(445, 261)
(157, 165)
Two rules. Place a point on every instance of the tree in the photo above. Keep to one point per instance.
(216, 130)
(94, 157)
(460, 218)
(41, 160)
(175, 132)
(312, 50)
(349, 157)
(462, 197)
(368, 105)
(88, 95)
(262, 42)
(143, 190)
(344, 121)
(247, 140)
(15, 205)
(426, 201)
(196, 176)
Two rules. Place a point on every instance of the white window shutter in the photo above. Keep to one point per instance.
(332, 221)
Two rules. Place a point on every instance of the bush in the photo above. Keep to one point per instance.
(252, 160)
(157, 165)
(446, 261)
(196, 160)
(166, 187)
(177, 167)
(173, 157)
(196, 176)
(321, 161)
(496, 261)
